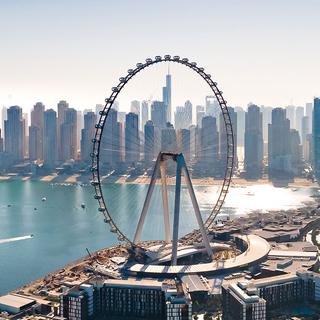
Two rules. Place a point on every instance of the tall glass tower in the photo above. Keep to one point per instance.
(316, 137)
(166, 96)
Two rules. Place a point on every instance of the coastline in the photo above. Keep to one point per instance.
(77, 179)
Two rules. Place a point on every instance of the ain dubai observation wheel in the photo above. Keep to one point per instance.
(160, 169)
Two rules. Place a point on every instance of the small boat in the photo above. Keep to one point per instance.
(44, 199)
(83, 205)
(35, 208)
(9, 205)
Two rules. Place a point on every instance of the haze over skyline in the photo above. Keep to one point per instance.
(267, 53)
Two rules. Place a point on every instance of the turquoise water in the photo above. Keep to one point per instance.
(62, 230)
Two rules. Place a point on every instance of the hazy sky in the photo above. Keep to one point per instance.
(267, 52)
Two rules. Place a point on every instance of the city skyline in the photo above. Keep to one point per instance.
(253, 55)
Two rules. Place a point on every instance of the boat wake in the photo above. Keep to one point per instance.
(16, 239)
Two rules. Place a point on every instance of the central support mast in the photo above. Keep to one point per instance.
(160, 167)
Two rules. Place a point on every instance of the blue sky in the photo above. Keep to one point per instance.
(267, 52)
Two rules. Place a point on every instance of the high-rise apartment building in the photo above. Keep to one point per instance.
(132, 138)
(62, 107)
(183, 116)
(3, 117)
(298, 119)
(279, 156)
(240, 125)
(266, 120)
(25, 122)
(188, 111)
(223, 145)
(212, 107)
(169, 139)
(309, 112)
(34, 143)
(99, 107)
(253, 143)
(36, 132)
(50, 150)
(183, 137)
(111, 140)
(291, 115)
(144, 114)
(1, 143)
(68, 135)
(87, 134)
(200, 113)
(304, 134)
(149, 142)
(209, 145)
(14, 134)
(316, 138)
(135, 108)
(295, 151)
(159, 114)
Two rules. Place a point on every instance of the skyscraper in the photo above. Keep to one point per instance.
(135, 107)
(87, 134)
(295, 151)
(280, 162)
(240, 125)
(62, 107)
(166, 97)
(159, 114)
(99, 107)
(111, 138)
(132, 139)
(188, 111)
(34, 143)
(50, 150)
(266, 120)
(298, 119)
(316, 137)
(223, 138)
(195, 142)
(183, 116)
(209, 145)
(291, 115)
(25, 121)
(212, 107)
(3, 117)
(149, 142)
(169, 139)
(36, 132)
(200, 113)
(80, 125)
(14, 133)
(1, 143)
(144, 114)
(183, 137)
(69, 135)
(253, 143)
(309, 112)
(304, 134)
(180, 118)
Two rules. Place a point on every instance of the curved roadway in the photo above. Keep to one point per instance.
(258, 250)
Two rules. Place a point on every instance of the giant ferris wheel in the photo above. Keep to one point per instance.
(171, 239)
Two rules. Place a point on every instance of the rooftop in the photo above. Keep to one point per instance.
(15, 301)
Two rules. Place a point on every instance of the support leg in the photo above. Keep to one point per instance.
(165, 200)
(176, 215)
(196, 208)
(146, 204)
